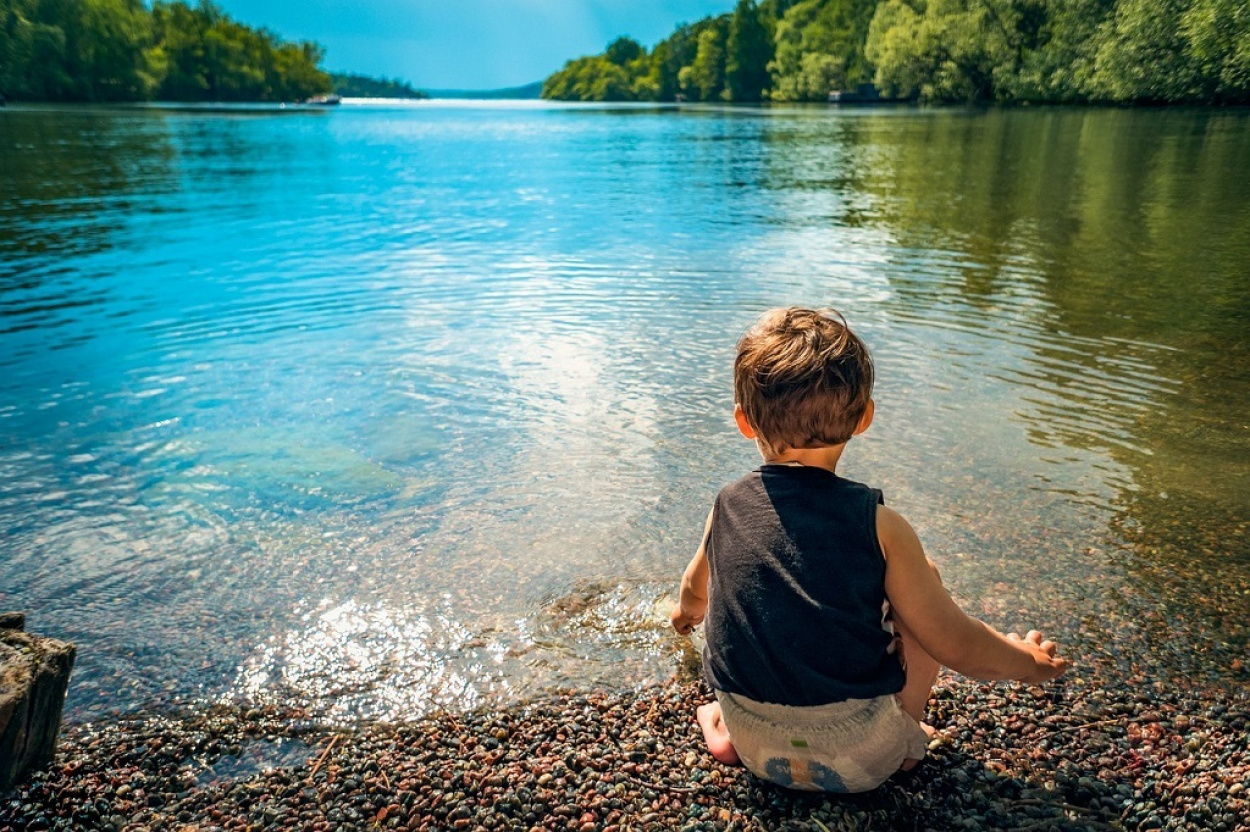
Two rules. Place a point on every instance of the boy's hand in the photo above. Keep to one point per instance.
(1046, 665)
(683, 623)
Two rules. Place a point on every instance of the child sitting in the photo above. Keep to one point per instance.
(826, 623)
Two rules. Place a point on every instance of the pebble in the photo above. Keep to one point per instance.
(1158, 758)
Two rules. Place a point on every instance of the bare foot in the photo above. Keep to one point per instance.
(715, 734)
(930, 732)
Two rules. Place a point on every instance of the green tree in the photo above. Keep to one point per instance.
(820, 47)
(623, 51)
(624, 72)
(946, 50)
(1059, 64)
(748, 50)
(951, 50)
(1142, 55)
(674, 53)
(1218, 35)
(704, 79)
(363, 86)
(119, 50)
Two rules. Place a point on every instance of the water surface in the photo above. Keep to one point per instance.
(397, 407)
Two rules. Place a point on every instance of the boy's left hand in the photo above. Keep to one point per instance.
(683, 623)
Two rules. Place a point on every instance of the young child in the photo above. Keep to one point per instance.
(826, 623)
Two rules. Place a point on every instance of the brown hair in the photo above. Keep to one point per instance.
(802, 378)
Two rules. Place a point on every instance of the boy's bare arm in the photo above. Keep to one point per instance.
(692, 599)
(945, 631)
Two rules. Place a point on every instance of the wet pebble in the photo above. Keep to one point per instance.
(1068, 756)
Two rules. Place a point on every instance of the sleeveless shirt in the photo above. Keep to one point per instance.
(796, 606)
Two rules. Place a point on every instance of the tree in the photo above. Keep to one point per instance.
(676, 52)
(1142, 55)
(624, 50)
(748, 50)
(820, 47)
(944, 50)
(704, 79)
(119, 50)
(951, 51)
(1218, 35)
(1059, 65)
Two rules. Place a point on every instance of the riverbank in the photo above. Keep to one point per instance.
(1065, 757)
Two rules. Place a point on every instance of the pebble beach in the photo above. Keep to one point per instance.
(1068, 756)
(359, 471)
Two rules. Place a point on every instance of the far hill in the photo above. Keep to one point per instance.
(533, 90)
(350, 85)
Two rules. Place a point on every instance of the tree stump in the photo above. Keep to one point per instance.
(34, 675)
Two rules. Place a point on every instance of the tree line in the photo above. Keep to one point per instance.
(1113, 51)
(120, 50)
(352, 85)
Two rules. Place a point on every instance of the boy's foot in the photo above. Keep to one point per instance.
(715, 734)
(929, 732)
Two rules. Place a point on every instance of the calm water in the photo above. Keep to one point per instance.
(393, 407)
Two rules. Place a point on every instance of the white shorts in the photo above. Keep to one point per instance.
(850, 746)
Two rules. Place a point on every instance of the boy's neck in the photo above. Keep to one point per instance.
(826, 458)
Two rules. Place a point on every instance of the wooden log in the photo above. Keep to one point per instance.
(34, 675)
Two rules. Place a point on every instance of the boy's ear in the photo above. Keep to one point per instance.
(743, 425)
(866, 419)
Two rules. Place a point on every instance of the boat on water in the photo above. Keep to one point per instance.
(330, 100)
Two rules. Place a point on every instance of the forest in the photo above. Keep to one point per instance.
(1011, 51)
(351, 85)
(121, 50)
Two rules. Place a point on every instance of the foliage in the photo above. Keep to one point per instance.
(1156, 51)
(950, 51)
(748, 49)
(704, 79)
(350, 85)
(943, 50)
(119, 50)
(820, 47)
(621, 73)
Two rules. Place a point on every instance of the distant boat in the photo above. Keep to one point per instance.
(330, 100)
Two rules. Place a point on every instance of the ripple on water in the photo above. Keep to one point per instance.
(464, 374)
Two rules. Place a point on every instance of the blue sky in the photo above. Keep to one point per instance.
(468, 44)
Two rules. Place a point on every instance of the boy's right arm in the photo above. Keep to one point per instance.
(945, 631)
(692, 598)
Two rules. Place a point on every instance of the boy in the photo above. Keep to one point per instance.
(826, 623)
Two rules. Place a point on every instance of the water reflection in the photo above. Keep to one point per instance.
(1115, 244)
(1096, 262)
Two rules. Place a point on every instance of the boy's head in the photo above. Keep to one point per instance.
(802, 379)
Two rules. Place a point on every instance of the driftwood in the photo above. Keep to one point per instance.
(34, 675)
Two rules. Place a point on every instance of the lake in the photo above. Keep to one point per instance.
(405, 406)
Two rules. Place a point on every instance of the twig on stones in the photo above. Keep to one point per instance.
(317, 766)
(1066, 728)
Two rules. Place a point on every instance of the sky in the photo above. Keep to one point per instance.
(466, 44)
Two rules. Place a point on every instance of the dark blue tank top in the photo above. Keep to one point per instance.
(796, 605)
